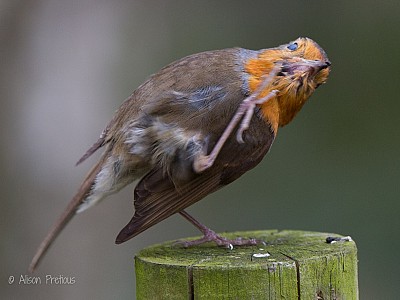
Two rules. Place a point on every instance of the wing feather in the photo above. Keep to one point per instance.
(155, 205)
(157, 198)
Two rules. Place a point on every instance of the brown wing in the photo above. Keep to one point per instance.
(157, 198)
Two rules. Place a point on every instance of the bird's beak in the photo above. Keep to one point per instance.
(305, 66)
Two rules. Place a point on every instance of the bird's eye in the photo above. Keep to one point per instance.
(293, 46)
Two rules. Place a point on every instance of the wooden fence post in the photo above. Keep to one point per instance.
(292, 265)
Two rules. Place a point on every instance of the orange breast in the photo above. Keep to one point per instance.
(257, 68)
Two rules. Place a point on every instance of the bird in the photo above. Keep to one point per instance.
(194, 127)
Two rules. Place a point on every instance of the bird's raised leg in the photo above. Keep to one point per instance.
(246, 108)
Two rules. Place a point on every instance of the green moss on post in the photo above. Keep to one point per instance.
(293, 265)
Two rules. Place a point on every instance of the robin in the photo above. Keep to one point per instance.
(195, 126)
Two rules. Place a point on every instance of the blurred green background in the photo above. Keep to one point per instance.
(67, 65)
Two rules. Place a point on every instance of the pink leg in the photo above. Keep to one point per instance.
(211, 236)
(246, 108)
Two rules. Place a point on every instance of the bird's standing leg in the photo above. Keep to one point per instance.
(246, 108)
(211, 236)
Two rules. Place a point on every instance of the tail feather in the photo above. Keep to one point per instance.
(96, 146)
(66, 216)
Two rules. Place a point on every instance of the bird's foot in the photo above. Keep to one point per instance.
(211, 236)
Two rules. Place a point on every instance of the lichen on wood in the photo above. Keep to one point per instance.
(292, 265)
